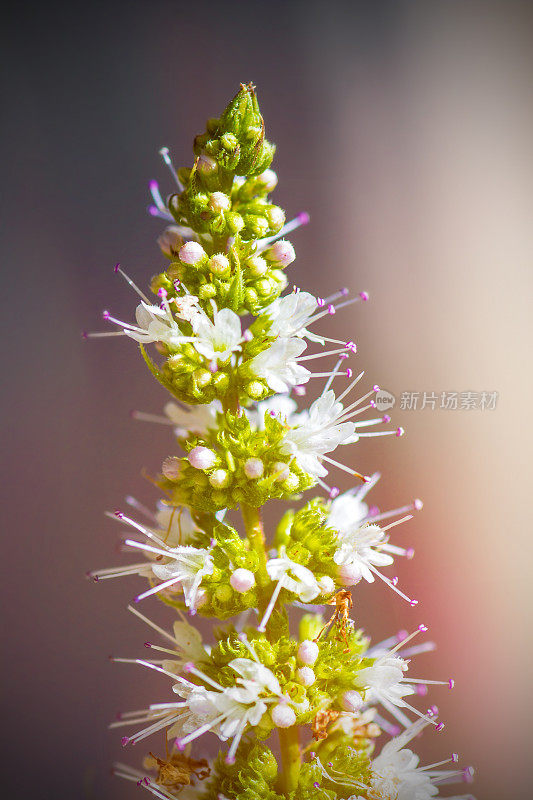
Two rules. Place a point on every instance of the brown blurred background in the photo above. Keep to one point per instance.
(405, 129)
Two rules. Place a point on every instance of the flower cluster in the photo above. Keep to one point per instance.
(237, 356)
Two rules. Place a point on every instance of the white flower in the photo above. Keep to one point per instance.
(294, 577)
(197, 419)
(187, 566)
(356, 549)
(318, 433)
(385, 678)
(227, 711)
(216, 340)
(278, 365)
(279, 405)
(289, 316)
(346, 512)
(156, 324)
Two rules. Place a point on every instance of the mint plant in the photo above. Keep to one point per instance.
(304, 706)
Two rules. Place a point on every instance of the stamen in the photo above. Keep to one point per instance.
(182, 742)
(321, 355)
(131, 283)
(396, 522)
(138, 506)
(153, 625)
(270, 608)
(387, 514)
(165, 154)
(244, 639)
(157, 589)
(190, 667)
(349, 389)
(301, 219)
(349, 470)
(391, 585)
(101, 334)
(154, 211)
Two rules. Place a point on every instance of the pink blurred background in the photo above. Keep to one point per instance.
(405, 129)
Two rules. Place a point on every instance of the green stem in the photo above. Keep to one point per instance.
(256, 537)
(290, 759)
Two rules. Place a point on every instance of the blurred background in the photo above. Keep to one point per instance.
(405, 129)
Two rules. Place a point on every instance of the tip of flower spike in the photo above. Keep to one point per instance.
(303, 218)
(124, 741)
(400, 431)
(364, 296)
(418, 504)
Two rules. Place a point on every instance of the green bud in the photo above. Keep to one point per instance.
(257, 266)
(229, 141)
(291, 482)
(276, 217)
(250, 297)
(234, 222)
(256, 390)
(219, 264)
(220, 479)
(224, 593)
(207, 291)
(221, 382)
(263, 287)
(202, 377)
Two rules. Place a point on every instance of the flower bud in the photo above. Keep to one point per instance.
(327, 585)
(255, 390)
(308, 652)
(257, 266)
(242, 580)
(291, 482)
(206, 164)
(229, 141)
(171, 468)
(305, 676)
(202, 458)
(223, 593)
(276, 217)
(269, 179)
(219, 202)
(254, 468)
(192, 253)
(281, 253)
(219, 264)
(170, 240)
(349, 574)
(281, 470)
(351, 700)
(283, 716)
(219, 479)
